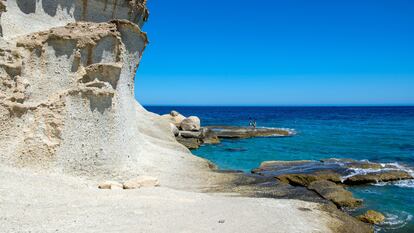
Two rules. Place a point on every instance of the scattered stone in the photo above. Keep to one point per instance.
(372, 217)
(110, 185)
(141, 182)
(335, 193)
(382, 176)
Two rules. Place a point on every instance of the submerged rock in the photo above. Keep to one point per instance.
(335, 193)
(372, 217)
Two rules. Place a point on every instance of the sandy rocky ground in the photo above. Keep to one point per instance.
(69, 120)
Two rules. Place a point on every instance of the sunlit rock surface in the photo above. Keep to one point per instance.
(67, 101)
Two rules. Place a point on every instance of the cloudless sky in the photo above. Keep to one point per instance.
(278, 52)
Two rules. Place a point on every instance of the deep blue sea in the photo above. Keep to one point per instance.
(377, 134)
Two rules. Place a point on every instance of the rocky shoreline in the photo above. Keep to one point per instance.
(323, 181)
(189, 132)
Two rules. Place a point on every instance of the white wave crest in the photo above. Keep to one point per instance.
(385, 167)
(394, 221)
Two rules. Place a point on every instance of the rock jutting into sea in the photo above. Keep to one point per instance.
(190, 133)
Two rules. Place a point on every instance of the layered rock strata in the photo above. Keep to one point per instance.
(67, 102)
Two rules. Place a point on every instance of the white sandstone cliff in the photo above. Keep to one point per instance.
(67, 102)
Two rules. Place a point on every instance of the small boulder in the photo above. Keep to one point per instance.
(141, 182)
(190, 124)
(372, 217)
(174, 113)
(196, 120)
(110, 185)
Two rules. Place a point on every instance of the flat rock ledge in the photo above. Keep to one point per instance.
(189, 132)
(330, 177)
(239, 132)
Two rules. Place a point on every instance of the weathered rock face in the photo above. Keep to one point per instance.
(67, 90)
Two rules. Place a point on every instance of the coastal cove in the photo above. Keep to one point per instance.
(378, 134)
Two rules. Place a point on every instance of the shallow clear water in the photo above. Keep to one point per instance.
(378, 134)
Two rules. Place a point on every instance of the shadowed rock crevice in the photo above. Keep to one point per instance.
(27, 6)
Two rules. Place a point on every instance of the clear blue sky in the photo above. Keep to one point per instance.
(278, 52)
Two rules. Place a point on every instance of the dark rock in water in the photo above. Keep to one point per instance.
(247, 132)
(307, 179)
(372, 217)
(382, 176)
(190, 143)
(235, 149)
(335, 193)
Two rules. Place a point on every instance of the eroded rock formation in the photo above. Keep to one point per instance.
(67, 90)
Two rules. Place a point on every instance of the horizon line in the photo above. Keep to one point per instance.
(345, 105)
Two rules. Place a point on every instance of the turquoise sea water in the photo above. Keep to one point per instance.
(377, 134)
